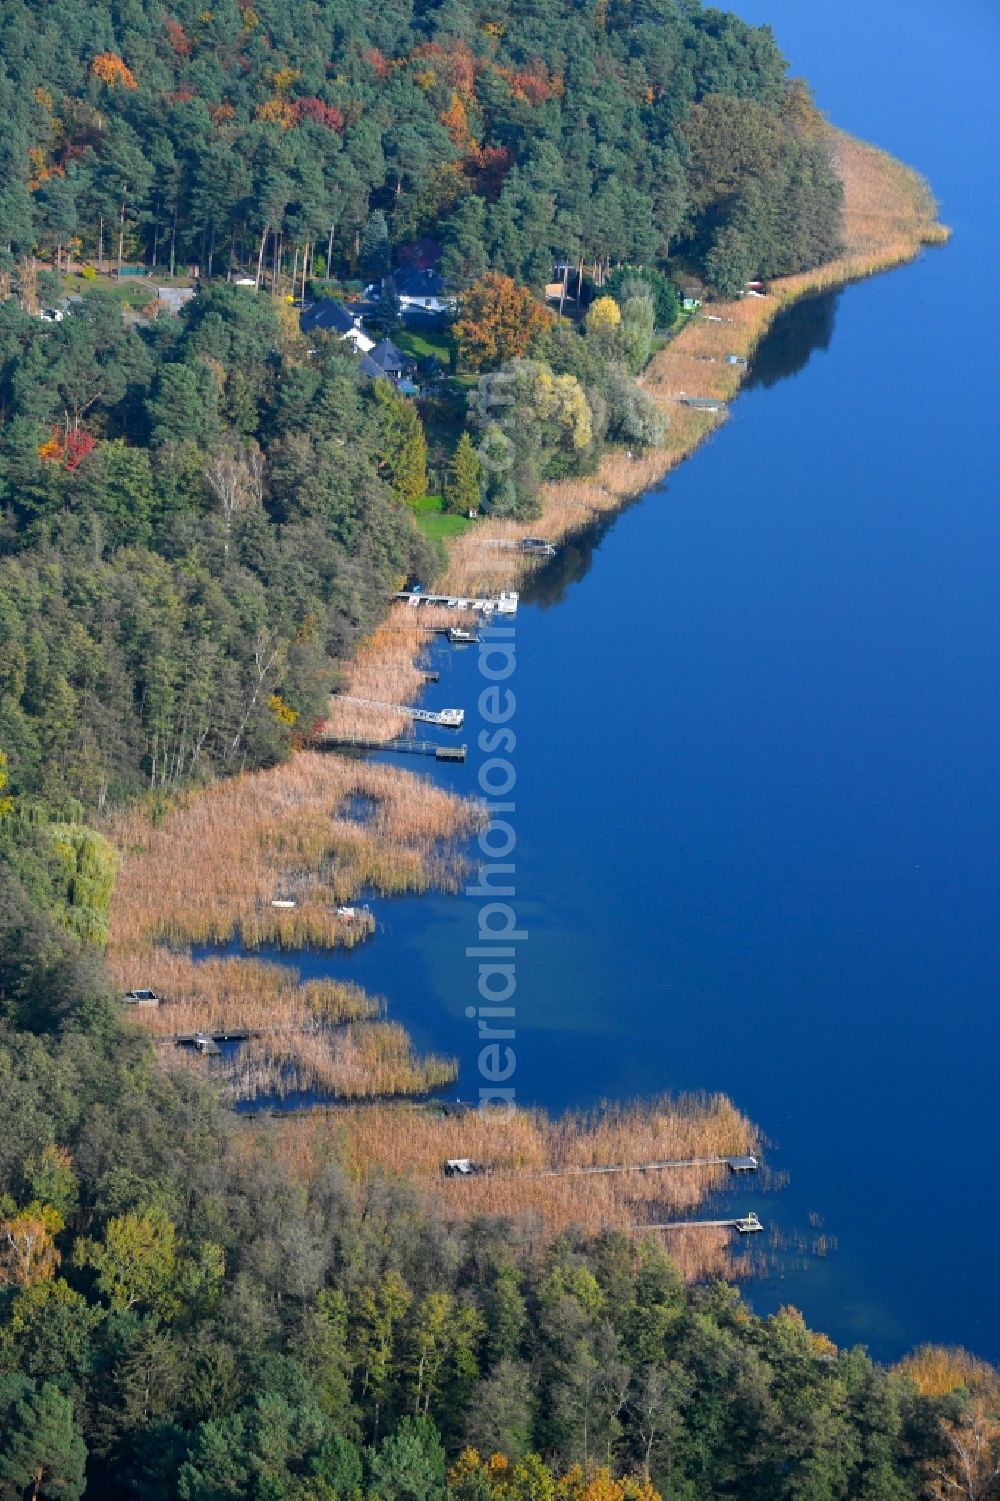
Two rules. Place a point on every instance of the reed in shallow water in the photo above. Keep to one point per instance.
(228, 995)
(354, 1062)
(211, 870)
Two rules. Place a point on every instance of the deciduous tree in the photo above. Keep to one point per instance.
(498, 321)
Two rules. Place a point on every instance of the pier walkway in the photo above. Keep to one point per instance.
(451, 719)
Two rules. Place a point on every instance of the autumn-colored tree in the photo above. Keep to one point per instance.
(472, 1478)
(68, 449)
(969, 1466)
(456, 123)
(604, 324)
(277, 112)
(327, 115)
(109, 68)
(6, 801)
(498, 321)
(938, 1370)
(177, 37)
(27, 1251)
(377, 60)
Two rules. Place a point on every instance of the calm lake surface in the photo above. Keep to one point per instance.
(758, 842)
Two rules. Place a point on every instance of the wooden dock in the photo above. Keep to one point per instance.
(747, 1224)
(400, 747)
(705, 403)
(449, 719)
(505, 603)
(192, 1039)
(740, 1165)
(747, 1164)
(530, 547)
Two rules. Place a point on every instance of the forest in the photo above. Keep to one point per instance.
(202, 513)
(515, 134)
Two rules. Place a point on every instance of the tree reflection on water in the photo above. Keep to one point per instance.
(795, 335)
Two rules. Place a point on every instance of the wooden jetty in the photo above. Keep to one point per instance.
(404, 747)
(747, 1164)
(199, 1039)
(505, 603)
(450, 752)
(450, 719)
(744, 1164)
(205, 1043)
(746, 1224)
(704, 403)
(532, 547)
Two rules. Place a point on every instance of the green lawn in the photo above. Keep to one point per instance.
(136, 290)
(424, 346)
(435, 523)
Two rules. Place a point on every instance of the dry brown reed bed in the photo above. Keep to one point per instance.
(212, 868)
(521, 1147)
(356, 1062)
(229, 995)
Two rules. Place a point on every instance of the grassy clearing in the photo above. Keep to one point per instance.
(436, 523)
(424, 346)
(519, 1148)
(137, 292)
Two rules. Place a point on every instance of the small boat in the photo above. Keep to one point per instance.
(458, 636)
(142, 998)
(353, 914)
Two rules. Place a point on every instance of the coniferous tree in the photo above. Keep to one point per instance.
(464, 470)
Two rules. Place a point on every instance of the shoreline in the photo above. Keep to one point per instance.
(889, 216)
(301, 835)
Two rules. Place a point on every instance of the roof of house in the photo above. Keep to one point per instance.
(370, 368)
(390, 360)
(423, 253)
(413, 316)
(417, 283)
(327, 316)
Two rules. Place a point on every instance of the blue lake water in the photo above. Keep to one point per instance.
(758, 843)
